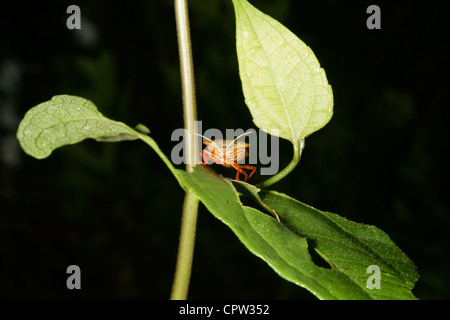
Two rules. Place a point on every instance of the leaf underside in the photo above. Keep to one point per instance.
(284, 86)
(67, 120)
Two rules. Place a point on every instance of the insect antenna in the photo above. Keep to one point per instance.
(200, 135)
(244, 134)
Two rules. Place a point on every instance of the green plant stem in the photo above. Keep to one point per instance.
(187, 81)
(186, 247)
(190, 208)
(298, 148)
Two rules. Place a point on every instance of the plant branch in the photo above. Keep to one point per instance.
(190, 208)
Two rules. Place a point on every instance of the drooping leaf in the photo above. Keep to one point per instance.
(67, 120)
(350, 248)
(284, 86)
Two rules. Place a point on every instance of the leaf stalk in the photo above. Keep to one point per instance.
(298, 149)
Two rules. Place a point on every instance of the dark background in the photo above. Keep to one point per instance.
(114, 209)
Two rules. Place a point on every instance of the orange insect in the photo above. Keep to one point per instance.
(227, 153)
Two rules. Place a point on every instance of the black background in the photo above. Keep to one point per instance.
(115, 209)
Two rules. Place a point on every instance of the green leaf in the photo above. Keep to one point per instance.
(284, 86)
(67, 120)
(350, 248)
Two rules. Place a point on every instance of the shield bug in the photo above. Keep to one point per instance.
(227, 153)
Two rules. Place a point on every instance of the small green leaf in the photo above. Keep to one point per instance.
(284, 86)
(142, 129)
(350, 248)
(67, 120)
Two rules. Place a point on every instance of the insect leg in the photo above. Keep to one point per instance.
(239, 170)
(252, 168)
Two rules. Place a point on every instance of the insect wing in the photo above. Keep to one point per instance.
(236, 152)
(215, 152)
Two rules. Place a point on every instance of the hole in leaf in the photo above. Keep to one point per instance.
(249, 203)
(315, 257)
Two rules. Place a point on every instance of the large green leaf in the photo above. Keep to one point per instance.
(350, 248)
(284, 86)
